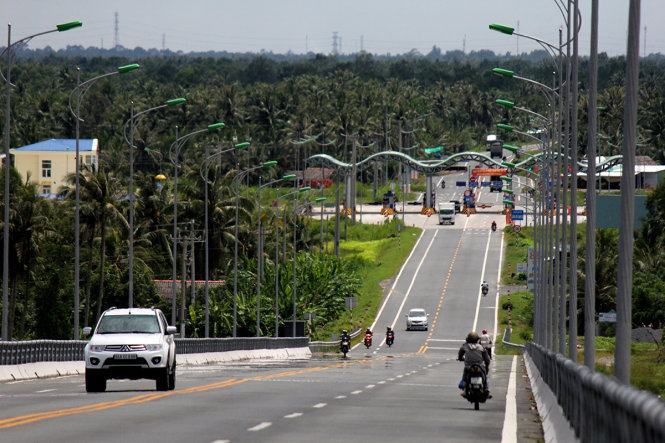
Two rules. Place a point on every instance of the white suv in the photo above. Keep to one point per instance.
(130, 343)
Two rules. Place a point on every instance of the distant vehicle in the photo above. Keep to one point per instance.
(416, 319)
(133, 344)
(495, 183)
(495, 146)
(446, 213)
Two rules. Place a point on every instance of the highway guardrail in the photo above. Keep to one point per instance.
(33, 351)
(598, 408)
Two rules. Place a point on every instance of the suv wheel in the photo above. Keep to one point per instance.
(162, 382)
(172, 378)
(94, 382)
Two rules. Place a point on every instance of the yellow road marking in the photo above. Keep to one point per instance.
(145, 398)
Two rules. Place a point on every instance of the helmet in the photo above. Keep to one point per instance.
(484, 331)
(344, 331)
(472, 337)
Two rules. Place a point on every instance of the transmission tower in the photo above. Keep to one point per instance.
(116, 33)
(335, 43)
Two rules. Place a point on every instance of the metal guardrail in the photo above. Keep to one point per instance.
(330, 346)
(33, 351)
(506, 340)
(599, 408)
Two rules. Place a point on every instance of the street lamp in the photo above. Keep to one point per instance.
(8, 161)
(174, 154)
(236, 185)
(295, 254)
(259, 255)
(131, 124)
(204, 175)
(79, 91)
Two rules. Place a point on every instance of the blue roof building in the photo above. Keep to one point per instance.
(48, 162)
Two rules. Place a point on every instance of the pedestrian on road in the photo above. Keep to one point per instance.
(486, 341)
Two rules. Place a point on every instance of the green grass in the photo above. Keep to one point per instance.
(647, 363)
(516, 251)
(364, 193)
(520, 316)
(382, 253)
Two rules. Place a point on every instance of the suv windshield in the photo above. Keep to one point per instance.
(128, 324)
(417, 314)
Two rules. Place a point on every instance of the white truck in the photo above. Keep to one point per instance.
(446, 213)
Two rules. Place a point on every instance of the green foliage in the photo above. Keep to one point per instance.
(516, 251)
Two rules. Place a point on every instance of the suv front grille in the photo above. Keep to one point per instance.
(125, 348)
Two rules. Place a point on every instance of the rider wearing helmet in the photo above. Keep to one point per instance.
(345, 335)
(390, 334)
(486, 341)
(473, 353)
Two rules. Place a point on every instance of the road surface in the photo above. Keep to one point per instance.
(404, 393)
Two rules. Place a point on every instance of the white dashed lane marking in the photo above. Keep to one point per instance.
(294, 415)
(369, 386)
(260, 426)
(45, 390)
(381, 382)
(339, 397)
(319, 405)
(355, 392)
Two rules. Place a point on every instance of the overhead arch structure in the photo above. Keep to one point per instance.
(435, 166)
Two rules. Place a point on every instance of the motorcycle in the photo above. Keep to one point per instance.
(474, 390)
(390, 338)
(368, 341)
(344, 347)
(443, 184)
(493, 227)
(485, 290)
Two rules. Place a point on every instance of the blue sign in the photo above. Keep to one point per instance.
(498, 184)
(485, 184)
(460, 184)
(517, 214)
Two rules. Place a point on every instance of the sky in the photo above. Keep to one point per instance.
(382, 26)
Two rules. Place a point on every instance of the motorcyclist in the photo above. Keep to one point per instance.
(486, 341)
(485, 287)
(345, 336)
(473, 353)
(390, 334)
(493, 225)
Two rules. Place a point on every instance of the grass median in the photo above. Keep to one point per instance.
(381, 251)
(516, 311)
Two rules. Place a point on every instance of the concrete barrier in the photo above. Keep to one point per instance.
(59, 368)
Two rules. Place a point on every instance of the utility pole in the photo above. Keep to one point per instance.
(626, 225)
(572, 305)
(464, 44)
(644, 48)
(306, 44)
(362, 43)
(163, 42)
(116, 32)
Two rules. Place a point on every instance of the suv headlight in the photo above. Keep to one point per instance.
(157, 347)
(97, 348)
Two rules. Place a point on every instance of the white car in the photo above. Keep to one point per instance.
(133, 344)
(416, 319)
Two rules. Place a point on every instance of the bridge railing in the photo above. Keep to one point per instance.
(329, 346)
(599, 408)
(33, 351)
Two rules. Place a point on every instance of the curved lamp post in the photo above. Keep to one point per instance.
(295, 255)
(79, 92)
(204, 175)
(236, 184)
(130, 126)
(8, 162)
(174, 154)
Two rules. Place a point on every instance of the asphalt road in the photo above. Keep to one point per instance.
(404, 393)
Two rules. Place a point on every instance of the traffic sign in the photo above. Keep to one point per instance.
(516, 228)
(607, 317)
(517, 214)
(461, 184)
(485, 184)
(521, 268)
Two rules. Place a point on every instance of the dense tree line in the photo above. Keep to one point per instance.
(288, 110)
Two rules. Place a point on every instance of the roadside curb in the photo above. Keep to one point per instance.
(555, 426)
(39, 370)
